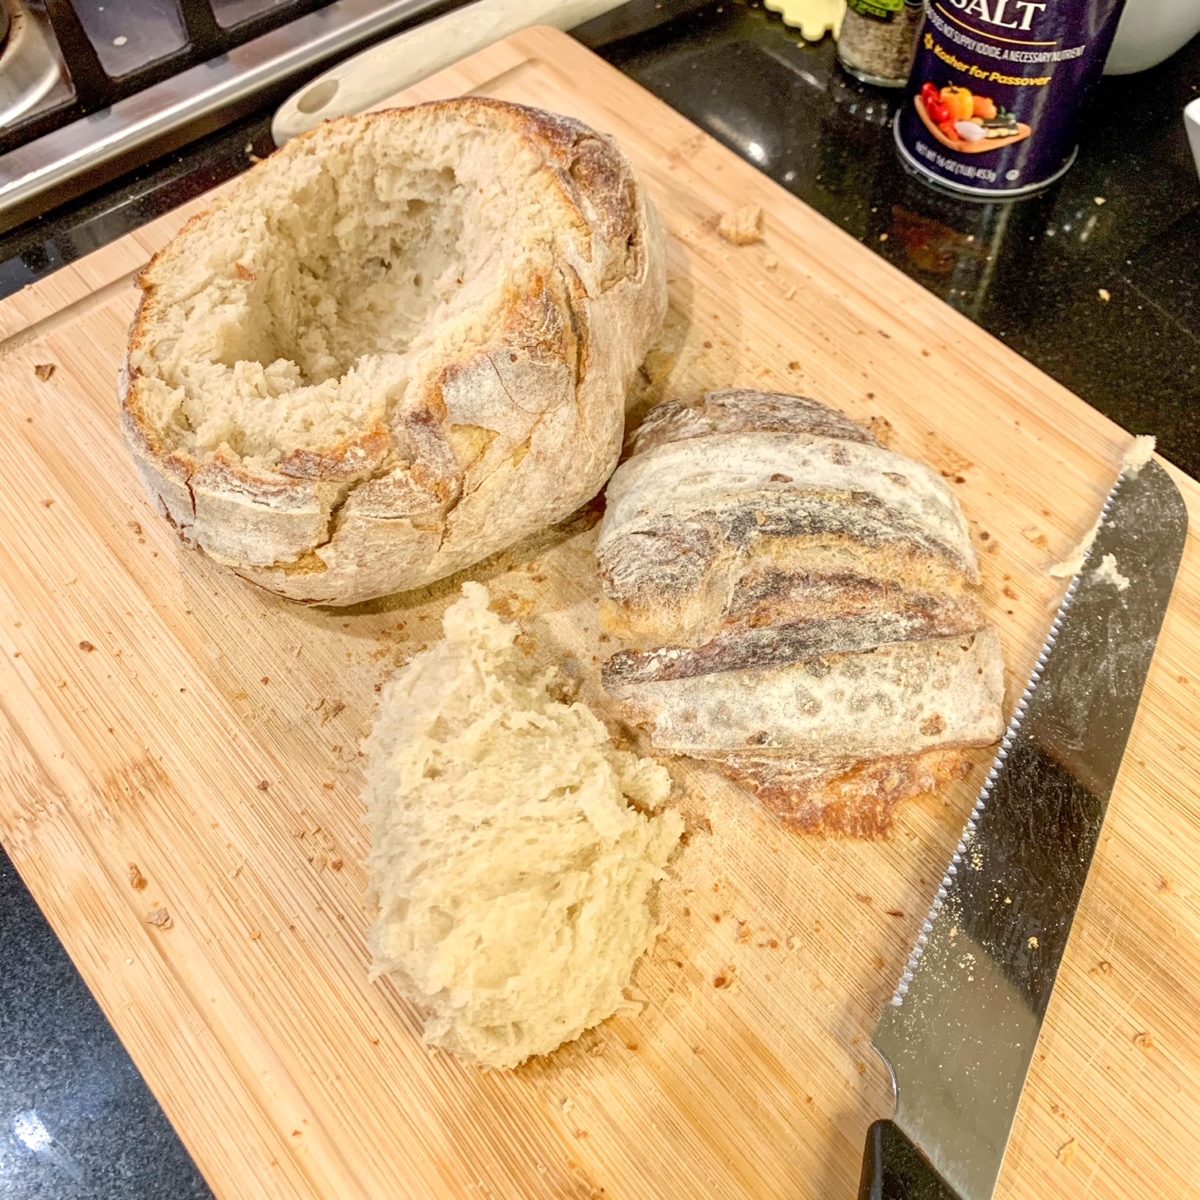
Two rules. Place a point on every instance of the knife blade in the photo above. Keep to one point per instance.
(960, 1031)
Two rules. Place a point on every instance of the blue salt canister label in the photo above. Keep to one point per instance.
(996, 94)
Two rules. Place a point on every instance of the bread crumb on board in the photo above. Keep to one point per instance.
(1073, 563)
(44, 371)
(137, 880)
(742, 226)
(159, 918)
(1140, 451)
(1143, 1040)
(1067, 1151)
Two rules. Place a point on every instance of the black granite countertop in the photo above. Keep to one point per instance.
(76, 1120)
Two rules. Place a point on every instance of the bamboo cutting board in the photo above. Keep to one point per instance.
(180, 772)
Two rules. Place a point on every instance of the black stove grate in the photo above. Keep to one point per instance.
(205, 38)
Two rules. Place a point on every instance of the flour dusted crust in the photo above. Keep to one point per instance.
(798, 606)
(394, 347)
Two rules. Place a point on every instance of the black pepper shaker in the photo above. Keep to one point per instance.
(878, 40)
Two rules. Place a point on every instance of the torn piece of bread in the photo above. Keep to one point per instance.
(397, 345)
(798, 605)
(515, 850)
(742, 226)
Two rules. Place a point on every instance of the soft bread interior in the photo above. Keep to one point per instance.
(515, 850)
(298, 315)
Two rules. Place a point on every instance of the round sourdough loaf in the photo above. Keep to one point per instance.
(798, 605)
(394, 347)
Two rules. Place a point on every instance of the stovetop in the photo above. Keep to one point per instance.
(90, 88)
(1097, 282)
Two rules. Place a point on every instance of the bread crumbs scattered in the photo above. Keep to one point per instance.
(793, 942)
(1066, 1153)
(1033, 943)
(159, 918)
(724, 979)
(742, 226)
(1103, 967)
(1107, 572)
(255, 934)
(772, 264)
(1033, 534)
(44, 370)
(1140, 451)
(137, 880)
(87, 647)
(1143, 1040)
(1098, 200)
(1104, 294)
(790, 294)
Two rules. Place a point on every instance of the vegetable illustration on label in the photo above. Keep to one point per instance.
(997, 90)
(967, 123)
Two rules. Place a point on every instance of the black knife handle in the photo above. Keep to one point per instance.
(894, 1169)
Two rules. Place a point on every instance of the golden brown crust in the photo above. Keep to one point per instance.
(576, 332)
(813, 632)
(859, 802)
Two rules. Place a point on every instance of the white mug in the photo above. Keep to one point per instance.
(1149, 31)
(1191, 118)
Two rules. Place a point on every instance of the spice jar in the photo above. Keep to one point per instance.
(878, 40)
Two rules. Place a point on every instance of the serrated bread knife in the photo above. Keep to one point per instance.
(961, 1029)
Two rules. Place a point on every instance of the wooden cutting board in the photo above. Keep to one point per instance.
(180, 771)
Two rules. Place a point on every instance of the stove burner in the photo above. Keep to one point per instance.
(66, 125)
(29, 65)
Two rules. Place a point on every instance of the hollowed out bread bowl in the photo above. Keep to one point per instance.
(397, 345)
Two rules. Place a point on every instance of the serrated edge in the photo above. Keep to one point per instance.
(1018, 717)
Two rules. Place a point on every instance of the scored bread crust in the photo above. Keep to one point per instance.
(798, 607)
(490, 431)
